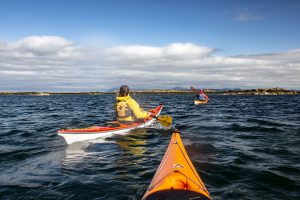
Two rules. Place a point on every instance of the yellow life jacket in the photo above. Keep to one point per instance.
(127, 109)
(122, 110)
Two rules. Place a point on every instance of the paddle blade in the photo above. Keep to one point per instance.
(165, 120)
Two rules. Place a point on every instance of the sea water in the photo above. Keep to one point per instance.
(243, 147)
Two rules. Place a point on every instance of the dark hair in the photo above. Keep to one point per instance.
(124, 91)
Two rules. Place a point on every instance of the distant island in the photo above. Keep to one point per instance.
(262, 91)
(259, 91)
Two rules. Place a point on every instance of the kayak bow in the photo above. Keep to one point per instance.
(93, 132)
(176, 177)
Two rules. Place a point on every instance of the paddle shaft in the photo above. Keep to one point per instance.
(197, 91)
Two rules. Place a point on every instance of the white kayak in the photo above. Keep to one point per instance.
(93, 132)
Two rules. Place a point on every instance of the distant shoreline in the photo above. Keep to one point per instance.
(259, 91)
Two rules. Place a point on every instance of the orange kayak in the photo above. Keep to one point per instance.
(176, 177)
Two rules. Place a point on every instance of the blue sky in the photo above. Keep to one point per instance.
(271, 26)
(228, 28)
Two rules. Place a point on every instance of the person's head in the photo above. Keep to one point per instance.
(124, 91)
(201, 91)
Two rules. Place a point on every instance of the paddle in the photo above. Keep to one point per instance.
(194, 89)
(164, 120)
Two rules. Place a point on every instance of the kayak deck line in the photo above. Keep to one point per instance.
(92, 129)
(176, 176)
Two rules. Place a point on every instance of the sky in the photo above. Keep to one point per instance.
(96, 45)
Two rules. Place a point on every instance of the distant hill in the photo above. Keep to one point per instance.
(179, 88)
(228, 89)
(112, 90)
(132, 89)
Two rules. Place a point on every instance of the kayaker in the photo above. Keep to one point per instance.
(201, 96)
(127, 109)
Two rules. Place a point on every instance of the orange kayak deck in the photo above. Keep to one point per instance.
(176, 177)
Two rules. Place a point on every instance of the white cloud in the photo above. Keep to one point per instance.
(41, 44)
(39, 47)
(182, 51)
(247, 16)
(186, 51)
(51, 63)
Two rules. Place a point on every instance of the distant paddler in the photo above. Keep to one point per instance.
(201, 96)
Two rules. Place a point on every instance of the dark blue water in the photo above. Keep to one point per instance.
(244, 147)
